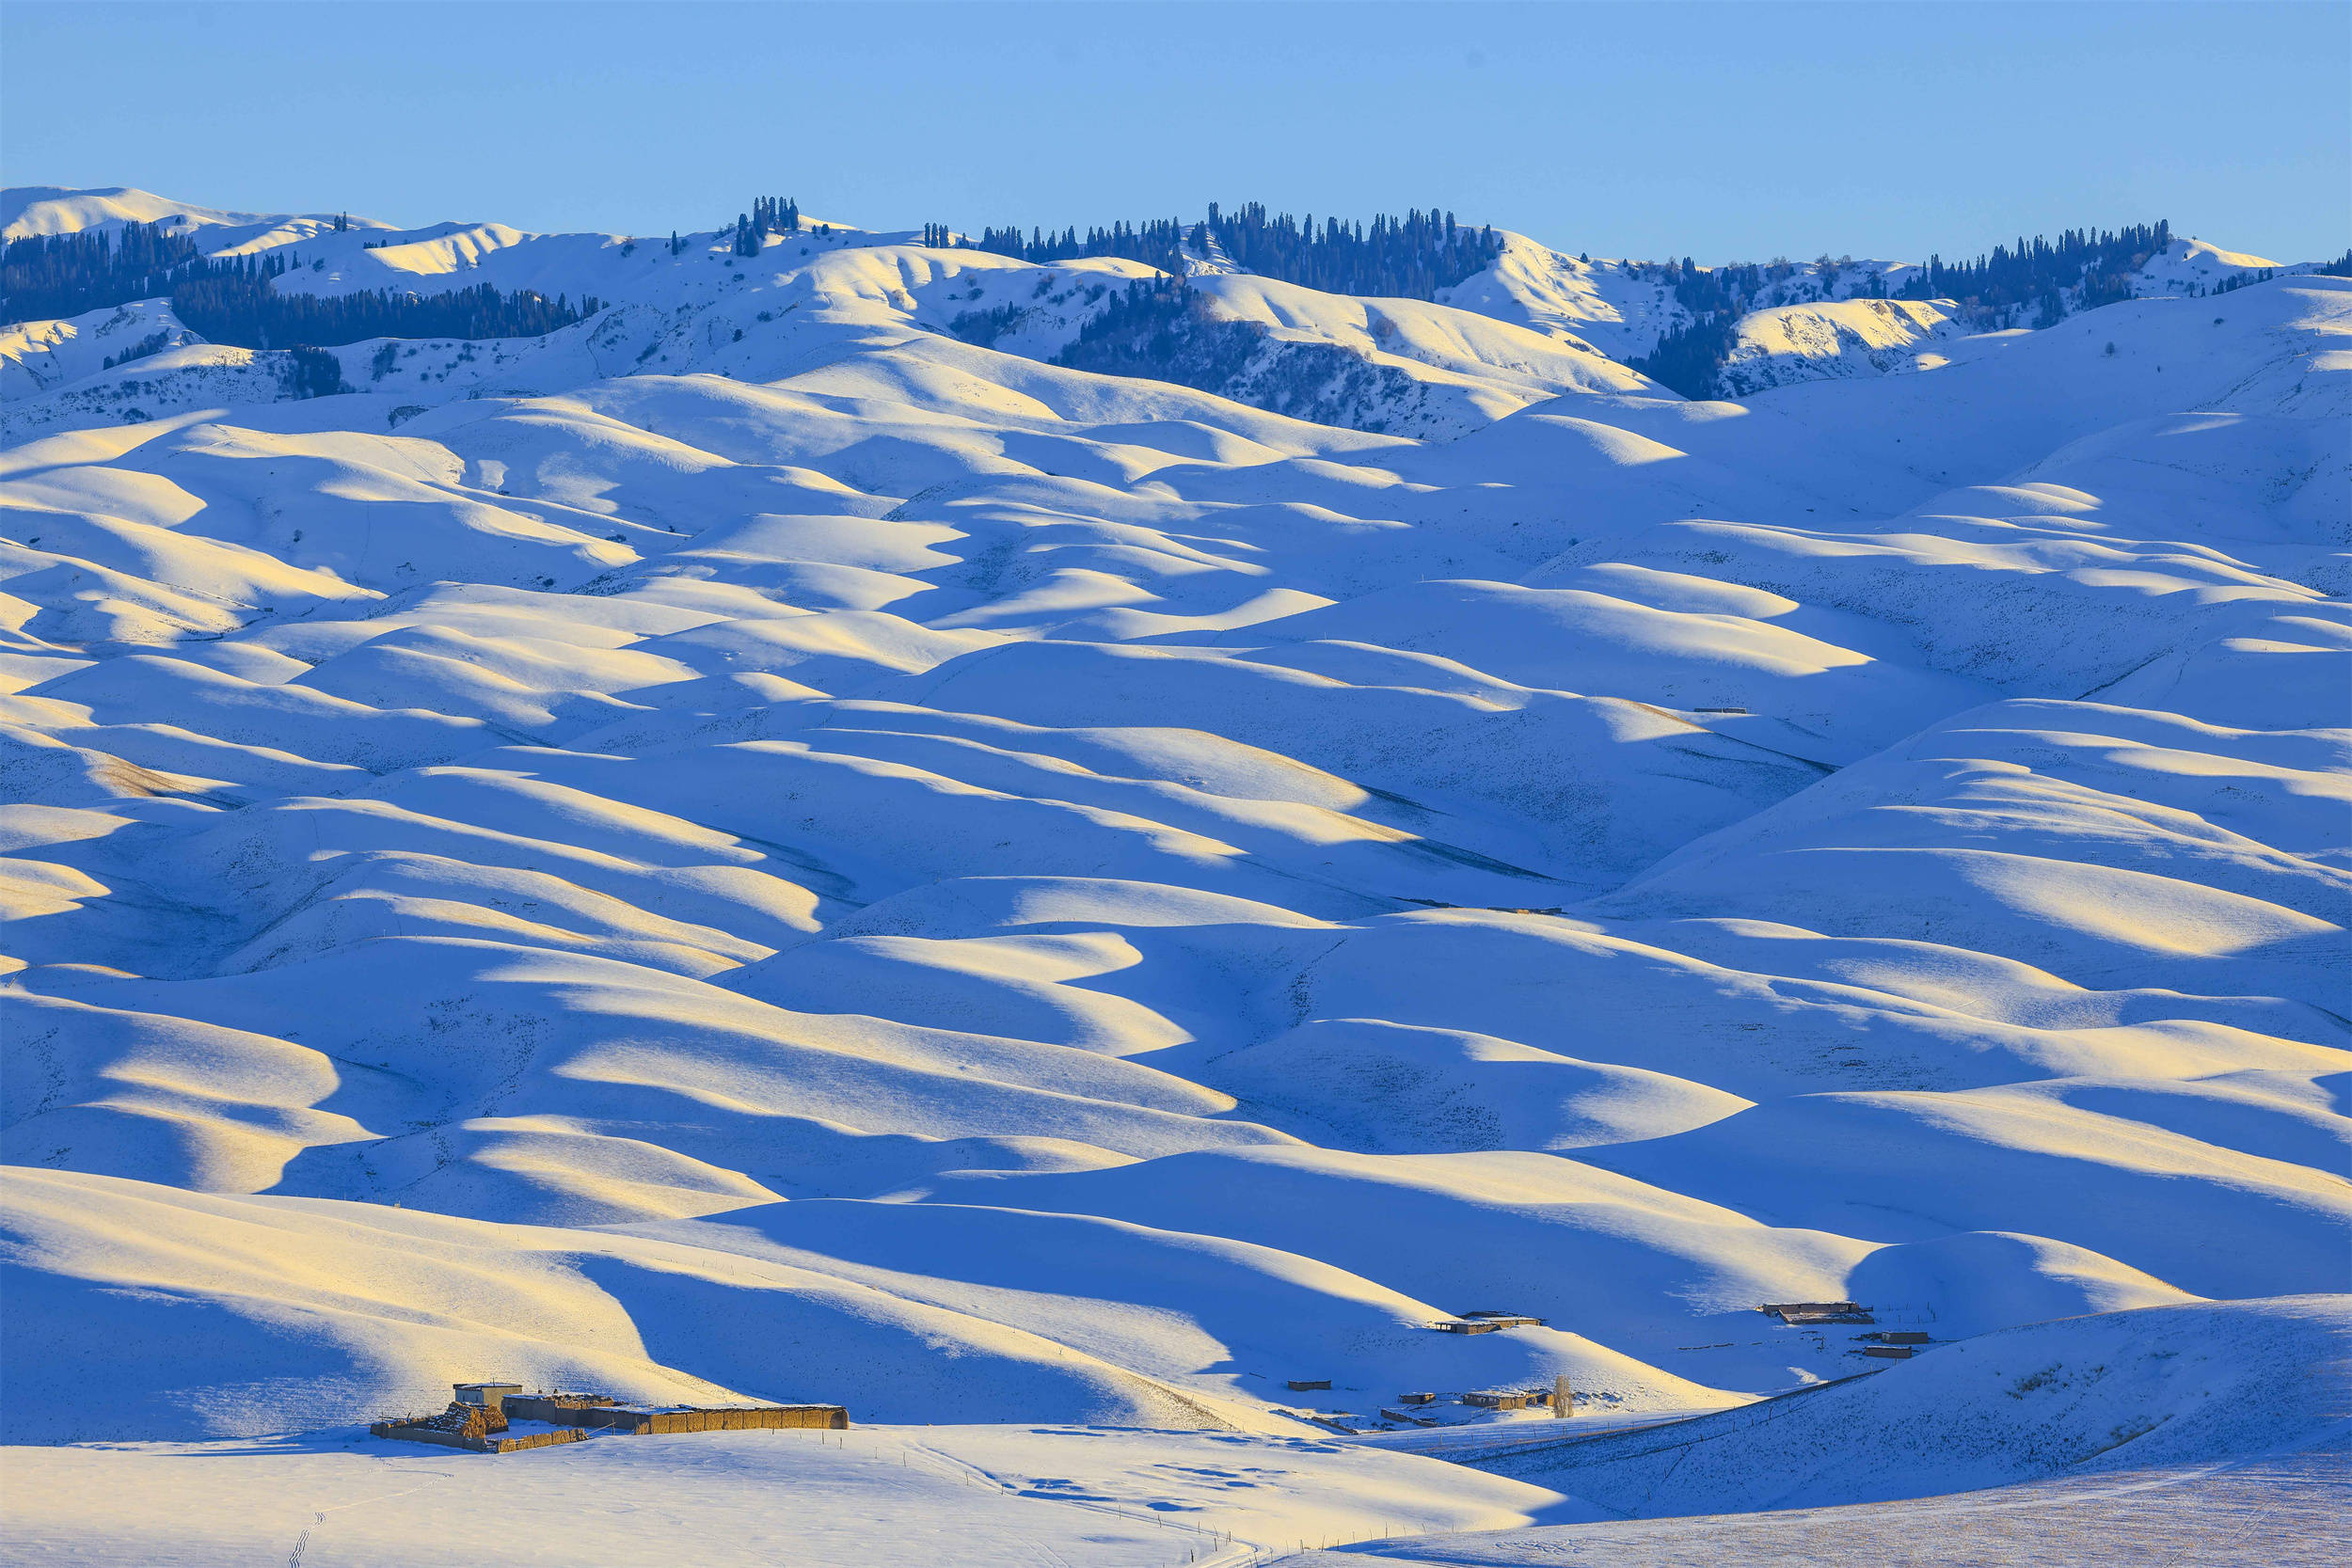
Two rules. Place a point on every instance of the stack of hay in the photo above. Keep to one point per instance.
(465, 1421)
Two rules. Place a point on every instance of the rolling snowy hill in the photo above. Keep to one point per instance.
(776, 842)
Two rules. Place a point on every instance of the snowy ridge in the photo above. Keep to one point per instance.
(1398, 366)
(1857, 337)
(29, 210)
(1607, 303)
(2193, 266)
(1402, 366)
(814, 857)
(1624, 307)
(40, 357)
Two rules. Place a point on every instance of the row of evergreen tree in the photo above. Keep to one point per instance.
(1160, 329)
(1410, 257)
(154, 343)
(2034, 280)
(247, 312)
(232, 300)
(770, 214)
(1135, 326)
(1159, 243)
(44, 277)
(2037, 282)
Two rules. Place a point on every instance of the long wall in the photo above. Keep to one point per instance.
(641, 1423)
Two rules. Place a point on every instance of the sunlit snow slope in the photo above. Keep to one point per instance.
(754, 845)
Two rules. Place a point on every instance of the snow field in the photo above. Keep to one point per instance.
(847, 863)
(983, 1496)
(2247, 1514)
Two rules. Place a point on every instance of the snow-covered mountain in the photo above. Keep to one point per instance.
(1536, 324)
(777, 842)
(1399, 366)
(26, 210)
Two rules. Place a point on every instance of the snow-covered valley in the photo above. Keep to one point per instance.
(778, 842)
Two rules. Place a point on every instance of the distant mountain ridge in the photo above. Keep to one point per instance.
(1394, 363)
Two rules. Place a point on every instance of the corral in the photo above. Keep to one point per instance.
(595, 1410)
(481, 1419)
(465, 1426)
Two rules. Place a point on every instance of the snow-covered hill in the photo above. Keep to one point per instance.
(1845, 336)
(1625, 308)
(1536, 324)
(1790, 343)
(2195, 267)
(39, 356)
(1827, 318)
(1617, 307)
(1403, 367)
(2108, 1393)
(29, 210)
(762, 844)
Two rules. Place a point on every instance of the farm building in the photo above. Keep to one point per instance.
(1509, 1398)
(1798, 1313)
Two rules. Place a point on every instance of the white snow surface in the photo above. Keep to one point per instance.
(2272, 1510)
(2126, 1390)
(974, 1496)
(851, 864)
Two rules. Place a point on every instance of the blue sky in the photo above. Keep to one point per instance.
(1723, 132)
